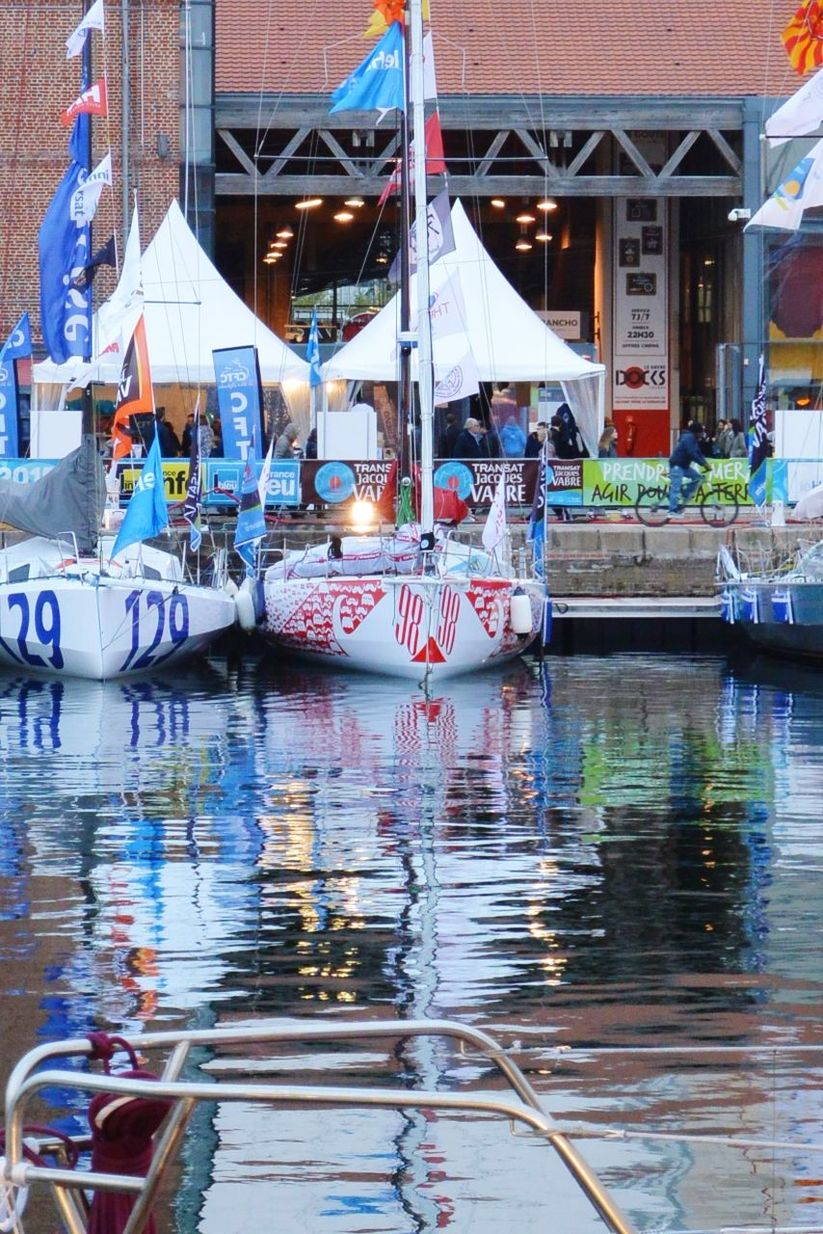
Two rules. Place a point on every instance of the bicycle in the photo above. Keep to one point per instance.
(718, 505)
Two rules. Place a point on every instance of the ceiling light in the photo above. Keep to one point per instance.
(270, 258)
(542, 236)
(498, 203)
(381, 259)
(525, 218)
(343, 216)
(285, 233)
(354, 202)
(308, 203)
(547, 204)
(523, 246)
(280, 244)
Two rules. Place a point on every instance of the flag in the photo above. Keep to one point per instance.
(759, 449)
(147, 513)
(313, 352)
(803, 37)
(537, 517)
(106, 255)
(495, 527)
(63, 247)
(265, 473)
(387, 11)
(801, 114)
(18, 344)
(251, 525)
(385, 504)
(439, 230)
(93, 20)
(191, 505)
(377, 82)
(456, 381)
(801, 190)
(134, 391)
(92, 102)
(435, 163)
(88, 190)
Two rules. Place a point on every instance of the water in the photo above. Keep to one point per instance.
(616, 852)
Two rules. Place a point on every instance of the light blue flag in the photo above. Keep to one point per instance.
(18, 344)
(147, 513)
(313, 352)
(377, 82)
(251, 522)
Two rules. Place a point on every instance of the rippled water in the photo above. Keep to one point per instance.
(608, 853)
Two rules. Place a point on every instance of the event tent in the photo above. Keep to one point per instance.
(189, 311)
(507, 339)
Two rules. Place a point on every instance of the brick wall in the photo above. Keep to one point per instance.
(36, 84)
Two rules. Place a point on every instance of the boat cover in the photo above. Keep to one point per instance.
(68, 500)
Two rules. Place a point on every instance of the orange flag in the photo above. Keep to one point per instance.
(134, 391)
(803, 37)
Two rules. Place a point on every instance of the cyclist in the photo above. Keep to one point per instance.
(682, 467)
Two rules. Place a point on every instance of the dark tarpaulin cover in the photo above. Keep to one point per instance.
(69, 498)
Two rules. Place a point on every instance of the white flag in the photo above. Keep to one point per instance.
(263, 482)
(801, 114)
(447, 310)
(92, 21)
(429, 80)
(495, 528)
(802, 189)
(455, 379)
(87, 194)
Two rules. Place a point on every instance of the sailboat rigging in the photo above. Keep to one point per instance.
(419, 603)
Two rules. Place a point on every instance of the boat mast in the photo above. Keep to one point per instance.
(87, 414)
(425, 375)
(406, 399)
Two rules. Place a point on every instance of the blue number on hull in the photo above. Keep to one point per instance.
(178, 611)
(47, 632)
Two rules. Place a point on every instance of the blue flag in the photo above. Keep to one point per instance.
(9, 437)
(65, 309)
(191, 506)
(313, 352)
(377, 82)
(239, 399)
(537, 518)
(147, 513)
(759, 449)
(251, 522)
(18, 344)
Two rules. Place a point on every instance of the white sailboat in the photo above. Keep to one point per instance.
(418, 604)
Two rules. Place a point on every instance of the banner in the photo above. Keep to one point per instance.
(9, 441)
(640, 343)
(239, 400)
(63, 243)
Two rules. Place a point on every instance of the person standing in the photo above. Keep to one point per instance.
(738, 447)
(607, 445)
(471, 442)
(723, 440)
(683, 463)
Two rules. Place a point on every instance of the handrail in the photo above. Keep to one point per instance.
(26, 1080)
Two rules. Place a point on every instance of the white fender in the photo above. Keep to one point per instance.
(520, 613)
(244, 607)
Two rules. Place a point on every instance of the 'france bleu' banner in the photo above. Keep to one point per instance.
(239, 400)
(63, 242)
(377, 82)
(147, 513)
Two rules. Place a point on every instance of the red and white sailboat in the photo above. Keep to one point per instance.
(420, 603)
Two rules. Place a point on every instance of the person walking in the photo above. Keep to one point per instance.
(683, 463)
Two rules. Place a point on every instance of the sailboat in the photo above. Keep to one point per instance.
(419, 603)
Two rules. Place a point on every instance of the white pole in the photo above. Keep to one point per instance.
(425, 376)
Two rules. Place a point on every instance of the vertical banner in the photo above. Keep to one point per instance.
(239, 400)
(640, 334)
(9, 444)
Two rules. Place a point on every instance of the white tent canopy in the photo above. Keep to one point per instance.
(507, 339)
(189, 311)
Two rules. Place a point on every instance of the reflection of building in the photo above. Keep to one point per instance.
(603, 182)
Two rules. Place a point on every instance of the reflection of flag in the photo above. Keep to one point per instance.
(802, 189)
(313, 351)
(803, 37)
(106, 255)
(759, 450)
(191, 506)
(134, 392)
(377, 82)
(251, 525)
(147, 513)
(18, 344)
(495, 527)
(92, 102)
(537, 518)
(93, 20)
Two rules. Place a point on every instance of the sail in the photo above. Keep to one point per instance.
(68, 499)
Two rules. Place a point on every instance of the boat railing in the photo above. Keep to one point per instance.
(207, 1056)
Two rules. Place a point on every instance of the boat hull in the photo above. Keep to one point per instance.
(784, 617)
(406, 626)
(72, 619)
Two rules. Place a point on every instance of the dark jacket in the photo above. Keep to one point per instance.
(468, 446)
(687, 451)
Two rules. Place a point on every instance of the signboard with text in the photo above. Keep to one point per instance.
(640, 346)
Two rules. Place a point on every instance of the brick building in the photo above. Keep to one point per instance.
(640, 126)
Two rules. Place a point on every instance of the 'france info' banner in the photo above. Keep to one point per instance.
(239, 400)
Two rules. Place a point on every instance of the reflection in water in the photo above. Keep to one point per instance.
(599, 853)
